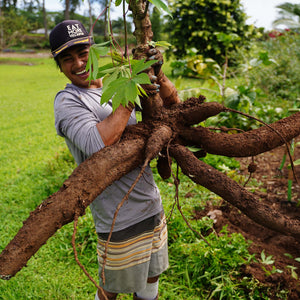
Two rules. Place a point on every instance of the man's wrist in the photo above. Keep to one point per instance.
(130, 106)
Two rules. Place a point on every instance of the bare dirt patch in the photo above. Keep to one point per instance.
(43, 54)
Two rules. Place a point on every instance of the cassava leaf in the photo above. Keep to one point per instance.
(141, 78)
(141, 66)
(95, 51)
(113, 88)
(100, 49)
(110, 78)
(297, 162)
(161, 6)
(162, 44)
(92, 65)
(131, 92)
(106, 69)
(141, 91)
(117, 100)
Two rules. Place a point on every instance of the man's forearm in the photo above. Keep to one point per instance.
(113, 126)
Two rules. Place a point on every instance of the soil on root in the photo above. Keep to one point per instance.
(272, 188)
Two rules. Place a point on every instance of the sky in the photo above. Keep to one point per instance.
(261, 12)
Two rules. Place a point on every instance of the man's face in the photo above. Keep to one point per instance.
(73, 62)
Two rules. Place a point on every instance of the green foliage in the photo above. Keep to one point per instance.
(221, 163)
(289, 15)
(96, 50)
(161, 6)
(122, 78)
(281, 80)
(206, 26)
(156, 24)
(210, 271)
(14, 26)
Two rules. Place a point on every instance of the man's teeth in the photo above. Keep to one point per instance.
(81, 72)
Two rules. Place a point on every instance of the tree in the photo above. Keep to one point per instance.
(70, 7)
(163, 128)
(289, 15)
(196, 23)
(45, 20)
(13, 27)
(9, 4)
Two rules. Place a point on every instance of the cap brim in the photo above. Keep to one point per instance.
(87, 40)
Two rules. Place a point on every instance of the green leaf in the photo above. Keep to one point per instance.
(107, 80)
(141, 91)
(92, 65)
(140, 66)
(162, 44)
(161, 6)
(112, 88)
(117, 99)
(118, 2)
(100, 49)
(141, 78)
(95, 51)
(106, 69)
(131, 92)
(297, 162)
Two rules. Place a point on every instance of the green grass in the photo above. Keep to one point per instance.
(34, 164)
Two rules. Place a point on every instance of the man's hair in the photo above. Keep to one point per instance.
(57, 61)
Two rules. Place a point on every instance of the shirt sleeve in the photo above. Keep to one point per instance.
(75, 121)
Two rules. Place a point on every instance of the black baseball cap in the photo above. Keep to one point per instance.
(66, 34)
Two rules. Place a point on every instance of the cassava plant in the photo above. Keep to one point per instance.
(168, 130)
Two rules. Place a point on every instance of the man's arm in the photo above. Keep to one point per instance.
(167, 90)
(112, 127)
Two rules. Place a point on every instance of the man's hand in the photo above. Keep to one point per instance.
(155, 54)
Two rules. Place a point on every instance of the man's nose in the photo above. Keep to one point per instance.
(78, 61)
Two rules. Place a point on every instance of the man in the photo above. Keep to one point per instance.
(137, 254)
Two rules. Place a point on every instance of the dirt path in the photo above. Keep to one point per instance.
(43, 54)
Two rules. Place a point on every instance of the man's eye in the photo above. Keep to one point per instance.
(85, 53)
(67, 58)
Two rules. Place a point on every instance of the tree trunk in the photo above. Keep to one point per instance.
(90, 17)
(67, 9)
(45, 20)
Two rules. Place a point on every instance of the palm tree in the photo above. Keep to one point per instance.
(289, 15)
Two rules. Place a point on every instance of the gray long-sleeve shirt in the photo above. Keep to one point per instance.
(77, 111)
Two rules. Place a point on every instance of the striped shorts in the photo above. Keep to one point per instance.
(134, 254)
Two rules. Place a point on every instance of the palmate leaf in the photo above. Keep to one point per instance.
(141, 78)
(112, 88)
(131, 92)
(140, 65)
(96, 50)
(123, 90)
(106, 69)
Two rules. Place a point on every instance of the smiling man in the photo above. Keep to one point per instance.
(138, 253)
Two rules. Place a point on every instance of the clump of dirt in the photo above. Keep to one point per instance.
(272, 188)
